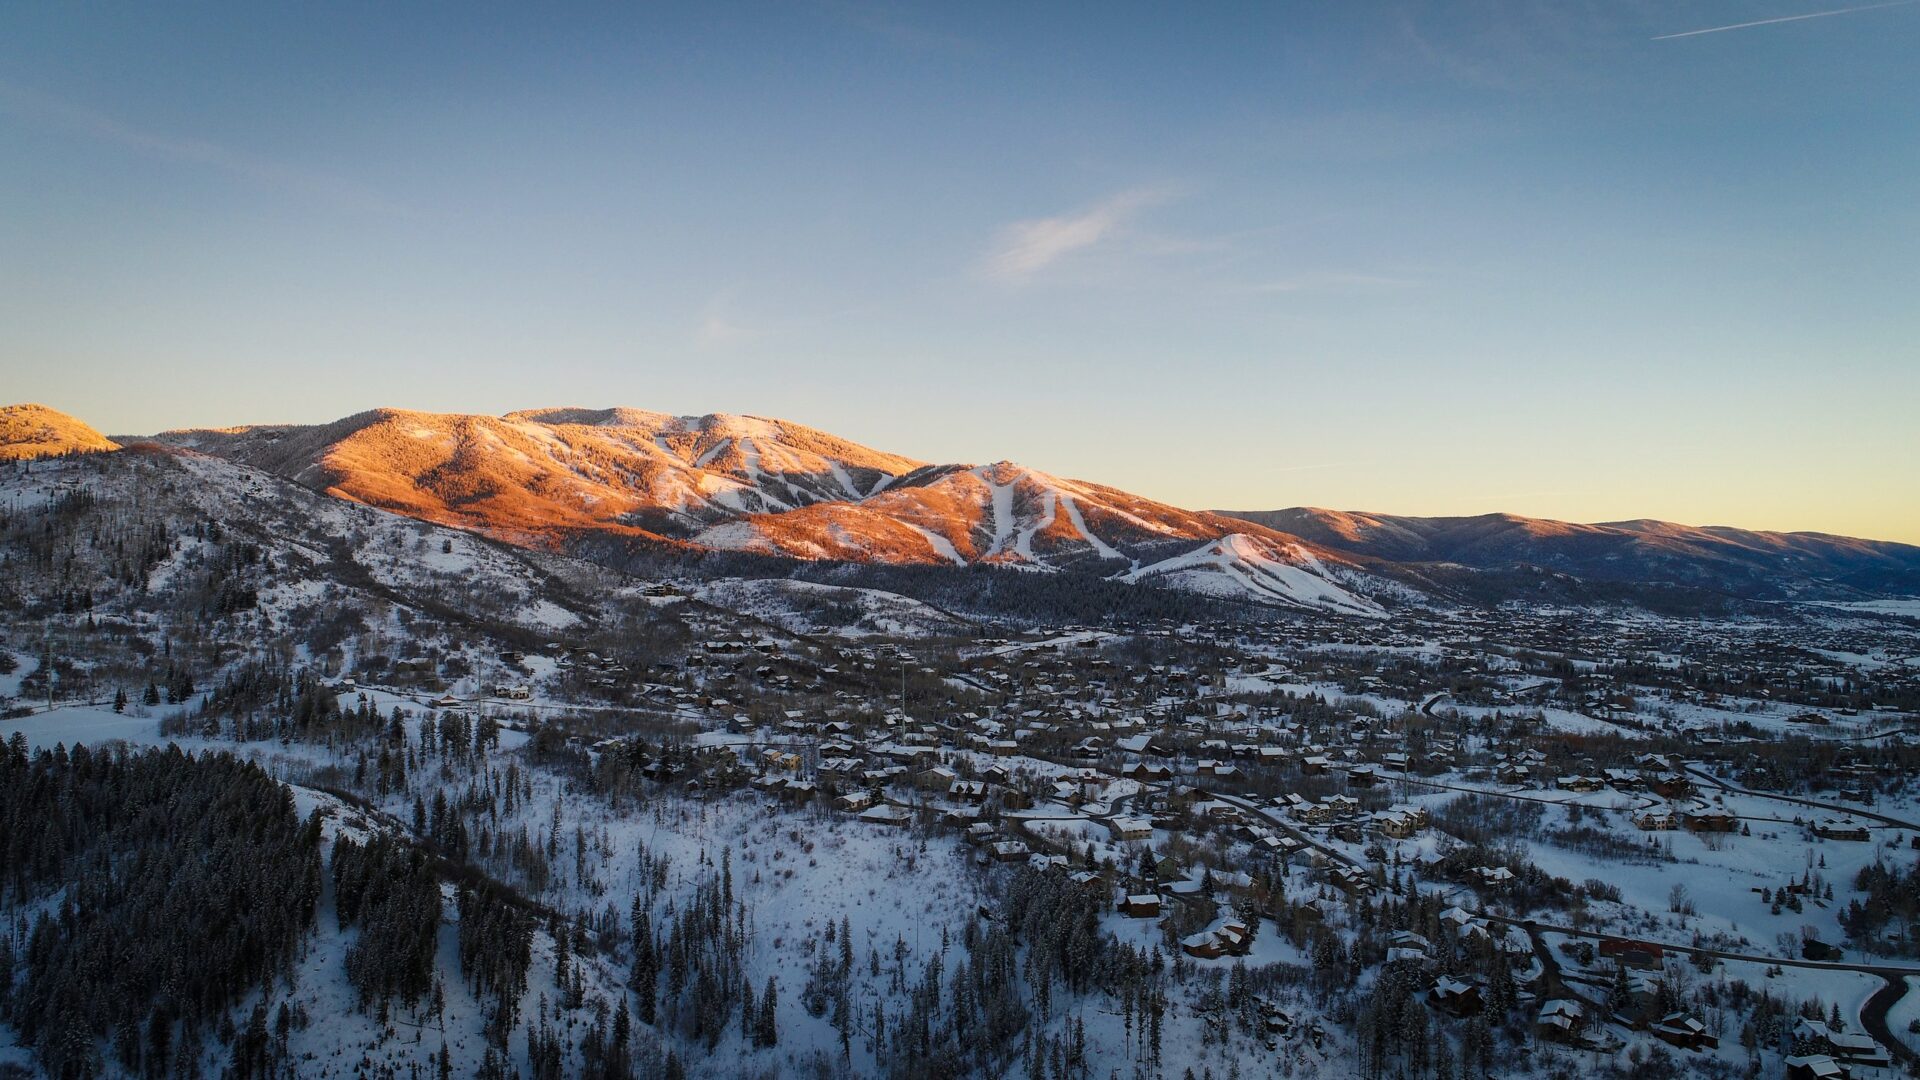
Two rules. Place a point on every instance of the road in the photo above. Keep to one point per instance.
(1873, 1015)
(1843, 811)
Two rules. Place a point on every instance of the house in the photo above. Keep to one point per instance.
(1455, 997)
(1848, 1048)
(1141, 906)
(1815, 949)
(1351, 880)
(1277, 845)
(1362, 776)
(1634, 954)
(1654, 820)
(972, 791)
(1229, 939)
(840, 768)
(887, 814)
(1580, 783)
(1493, 877)
(1815, 1067)
(1407, 939)
(1087, 784)
(853, 802)
(1711, 821)
(1673, 786)
(1235, 940)
(938, 778)
(1203, 945)
(1008, 851)
(1686, 1032)
(1130, 828)
(1561, 1020)
(1833, 829)
(1395, 824)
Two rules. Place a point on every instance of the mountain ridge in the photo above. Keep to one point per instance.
(563, 478)
(29, 431)
(1742, 562)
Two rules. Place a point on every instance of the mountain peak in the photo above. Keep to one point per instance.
(33, 431)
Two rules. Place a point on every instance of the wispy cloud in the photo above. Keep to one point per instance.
(888, 25)
(1332, 280)
(1024, 248)
(1314, 467)
(718, 329)
(1513, 496)
(43, 108)
(1786, 19)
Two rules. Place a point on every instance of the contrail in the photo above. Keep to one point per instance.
(1786, 18)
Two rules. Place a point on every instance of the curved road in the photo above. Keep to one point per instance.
(1844, 811)
(1873, 1015)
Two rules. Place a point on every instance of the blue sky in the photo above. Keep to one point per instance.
(1415, 258)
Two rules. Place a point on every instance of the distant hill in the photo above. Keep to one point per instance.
(1739, 562)
(620, 485)
(35, 431)
(752, 484)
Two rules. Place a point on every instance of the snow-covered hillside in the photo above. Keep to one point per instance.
(548, 478)
(1254, 568)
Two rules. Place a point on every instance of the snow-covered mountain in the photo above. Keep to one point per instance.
(535, 474)
(751, 484)
(35, 431)
(601, 483)
(1737, 562)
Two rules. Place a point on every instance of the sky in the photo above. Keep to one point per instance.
(1569, 260)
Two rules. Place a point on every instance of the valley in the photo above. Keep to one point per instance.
(579, 801)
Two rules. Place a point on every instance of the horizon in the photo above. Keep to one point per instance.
(1654, 262)
(126, 438)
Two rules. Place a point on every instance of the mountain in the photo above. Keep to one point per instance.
(535, 474)
(750, 484)
(1738, 562)
(154, 532)
(717, 495)
(35, 431)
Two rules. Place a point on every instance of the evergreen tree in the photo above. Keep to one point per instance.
(767, 1032)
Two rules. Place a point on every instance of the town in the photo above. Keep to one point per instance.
(1456, 843)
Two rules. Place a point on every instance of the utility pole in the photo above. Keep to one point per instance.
(1406, 753)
